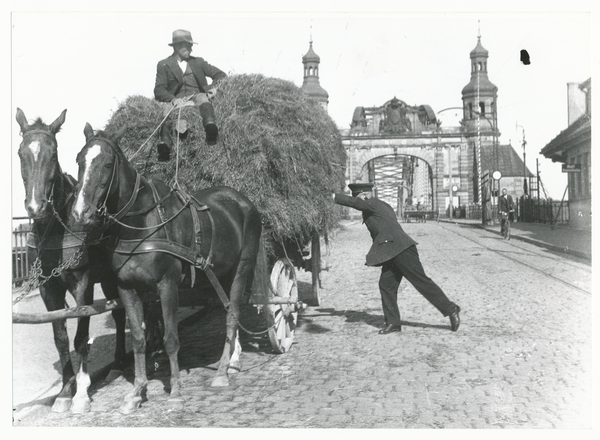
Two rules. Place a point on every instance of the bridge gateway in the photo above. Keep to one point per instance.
(408, 155)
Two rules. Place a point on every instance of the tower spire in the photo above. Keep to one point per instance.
(311, 86)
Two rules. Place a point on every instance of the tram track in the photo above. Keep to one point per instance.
(510, 256)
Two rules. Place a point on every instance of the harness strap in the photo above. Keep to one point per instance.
(152, 206)
(159, 209)
(217, 285)
(136, 189)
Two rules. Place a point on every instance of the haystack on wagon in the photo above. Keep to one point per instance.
(280, 149)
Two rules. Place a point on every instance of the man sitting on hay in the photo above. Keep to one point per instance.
(181, 80)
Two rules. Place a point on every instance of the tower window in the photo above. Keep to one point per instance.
(482, 108)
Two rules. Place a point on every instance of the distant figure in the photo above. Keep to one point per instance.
(505, 209)
(397, 255)
(421, 202)
(181, 79)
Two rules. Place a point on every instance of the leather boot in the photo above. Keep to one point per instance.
(165, 144)
(208, 121)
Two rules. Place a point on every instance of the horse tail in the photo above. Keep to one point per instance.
(261, 283)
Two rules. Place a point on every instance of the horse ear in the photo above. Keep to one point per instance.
(22, 120)
(55, 126)
(119, 133)
(88, 131)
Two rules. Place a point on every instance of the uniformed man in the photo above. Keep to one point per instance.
(397, 255)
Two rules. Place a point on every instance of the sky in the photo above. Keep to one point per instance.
(88, 62)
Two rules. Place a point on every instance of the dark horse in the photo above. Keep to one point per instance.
(160, 235)
(56, 240)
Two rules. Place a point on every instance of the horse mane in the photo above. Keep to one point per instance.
(39, 124)
(111, 137)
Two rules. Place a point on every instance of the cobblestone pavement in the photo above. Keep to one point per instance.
(521, 358)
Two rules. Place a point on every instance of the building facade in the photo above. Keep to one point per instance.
(573, 148)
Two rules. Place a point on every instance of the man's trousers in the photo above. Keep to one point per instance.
(408, 265)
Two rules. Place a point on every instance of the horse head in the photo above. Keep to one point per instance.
(39, 162)
(98, 175)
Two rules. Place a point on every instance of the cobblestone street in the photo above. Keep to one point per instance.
(522, 357)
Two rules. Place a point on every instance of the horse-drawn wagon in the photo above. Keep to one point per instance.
(218, 216)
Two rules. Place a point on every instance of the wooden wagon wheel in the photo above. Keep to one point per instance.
(282, 318)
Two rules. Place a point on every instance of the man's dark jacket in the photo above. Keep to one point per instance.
(389, 239)
(505, 204)
(169, 77)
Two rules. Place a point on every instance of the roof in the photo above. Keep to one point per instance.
(479, 50)
(314, 89)
(311, 55)
(507, 160)
(578, 132)
(485, 85)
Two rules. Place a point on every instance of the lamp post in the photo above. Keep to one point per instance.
(523, 145)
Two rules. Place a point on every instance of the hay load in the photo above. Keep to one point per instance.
(277, 147)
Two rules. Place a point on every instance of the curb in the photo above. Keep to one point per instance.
(539, 243)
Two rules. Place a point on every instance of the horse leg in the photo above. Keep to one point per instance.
(64, 398)
(135, 313)
(53, 295)
(238, 287)
(111, 292)
(235, 365)
(168, 290)
(83, 291)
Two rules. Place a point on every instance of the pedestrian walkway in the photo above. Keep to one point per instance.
(562, 239)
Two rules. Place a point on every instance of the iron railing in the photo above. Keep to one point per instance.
(20, 262)
(526, 210)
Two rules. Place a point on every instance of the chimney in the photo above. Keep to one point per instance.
(575, 102)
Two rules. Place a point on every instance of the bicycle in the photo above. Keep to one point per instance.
(505, 221)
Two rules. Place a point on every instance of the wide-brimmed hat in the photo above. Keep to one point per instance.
(360, 187)
(182, 36)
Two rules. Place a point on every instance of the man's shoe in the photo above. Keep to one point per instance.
(455, 320)
(164, 152)
(390, 328)
(212, 134)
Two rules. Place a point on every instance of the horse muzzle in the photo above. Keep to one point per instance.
(36, 209)
(83, 215)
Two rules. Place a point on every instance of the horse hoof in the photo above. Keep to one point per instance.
(61, 404)
(81, 406)
(220, 381)
(234, 369)
(175, 404)
(130, 405)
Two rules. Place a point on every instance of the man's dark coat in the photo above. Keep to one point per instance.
(169, 77)
(505, 204)
(389, 239)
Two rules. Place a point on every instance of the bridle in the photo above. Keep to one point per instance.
(102, 209)
(51, 195)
